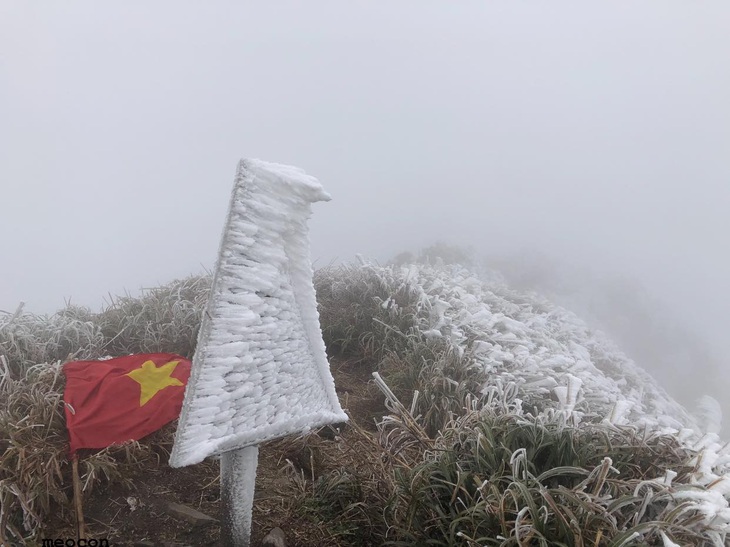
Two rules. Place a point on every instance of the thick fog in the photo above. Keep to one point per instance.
(583, 147)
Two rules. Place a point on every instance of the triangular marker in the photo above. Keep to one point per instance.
(260, 370)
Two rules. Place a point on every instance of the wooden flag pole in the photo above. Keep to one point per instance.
(80, 532)
(238, 480)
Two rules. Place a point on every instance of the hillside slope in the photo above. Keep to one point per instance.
(507, 418)
(550, 356)
(535, 361)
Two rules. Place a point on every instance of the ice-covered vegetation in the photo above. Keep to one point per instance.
(485, 370)
(34, 469)
(508, 421)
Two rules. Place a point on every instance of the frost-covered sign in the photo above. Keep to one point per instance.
(260, 370)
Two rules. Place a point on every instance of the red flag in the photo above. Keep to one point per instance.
(117, 400)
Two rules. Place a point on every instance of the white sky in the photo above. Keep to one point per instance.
(597, 134)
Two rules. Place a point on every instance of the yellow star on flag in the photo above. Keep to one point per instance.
(153, 379)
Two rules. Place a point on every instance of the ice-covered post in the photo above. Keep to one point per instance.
(238, 480)
(260, 370)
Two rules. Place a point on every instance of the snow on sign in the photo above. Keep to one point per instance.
(260, 370)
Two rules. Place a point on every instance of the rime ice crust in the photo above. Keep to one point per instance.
(260, 370)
